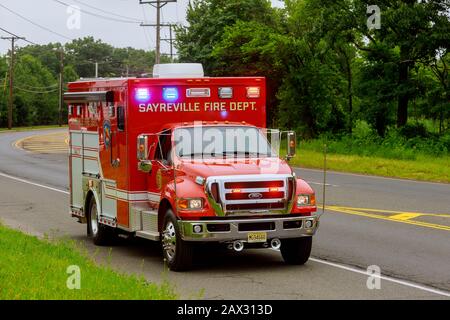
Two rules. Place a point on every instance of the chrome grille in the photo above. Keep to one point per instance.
(251, 193)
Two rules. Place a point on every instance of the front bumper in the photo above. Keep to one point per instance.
(238, 229)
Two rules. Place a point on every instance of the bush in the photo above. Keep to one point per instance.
(413, 130)
(405, 144)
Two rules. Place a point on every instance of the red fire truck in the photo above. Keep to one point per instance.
(185, 159)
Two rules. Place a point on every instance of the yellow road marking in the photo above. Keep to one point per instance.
(48, 143)
(348, 210)
(400, 212)
(405, 216)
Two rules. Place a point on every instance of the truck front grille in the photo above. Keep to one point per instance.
(251, 193)
(255, 206)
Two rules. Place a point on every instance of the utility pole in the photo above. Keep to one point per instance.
(11, 79)
(170, 40)
(61, 84)
(157, 4)
(96, 69)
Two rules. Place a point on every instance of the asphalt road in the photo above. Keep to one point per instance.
(412, 248)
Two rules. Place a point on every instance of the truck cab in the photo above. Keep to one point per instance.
(186, 159)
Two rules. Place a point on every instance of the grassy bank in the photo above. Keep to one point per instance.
(31, 268)
(413, 152)
(422, 168)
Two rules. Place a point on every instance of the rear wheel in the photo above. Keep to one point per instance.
(296, 251)
(100, 234)
(177, 252)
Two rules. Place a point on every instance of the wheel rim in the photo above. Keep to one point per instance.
(94, 221)
(169, 240)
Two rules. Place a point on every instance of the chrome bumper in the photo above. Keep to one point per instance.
(279, 228)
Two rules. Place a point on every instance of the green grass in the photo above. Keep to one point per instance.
(32, 128)
(31, 268)
(424, 168)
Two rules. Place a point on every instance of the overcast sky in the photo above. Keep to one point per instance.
(120, 29)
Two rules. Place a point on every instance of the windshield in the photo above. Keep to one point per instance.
(222, 142)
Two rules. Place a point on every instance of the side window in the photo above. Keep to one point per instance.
(121, 118)
(164, 146)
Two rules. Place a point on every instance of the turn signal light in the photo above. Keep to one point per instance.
(226, 93)
(253, 92)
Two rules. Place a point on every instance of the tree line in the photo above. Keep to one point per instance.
(37, 68)
(327, 67)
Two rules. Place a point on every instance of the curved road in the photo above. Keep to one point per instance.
(401, 226)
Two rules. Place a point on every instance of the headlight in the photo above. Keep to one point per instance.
(190, 204)
(306, 200)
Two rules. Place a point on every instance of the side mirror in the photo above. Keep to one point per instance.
(144, 164)
(292, 144)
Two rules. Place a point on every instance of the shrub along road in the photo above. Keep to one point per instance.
(371, 223)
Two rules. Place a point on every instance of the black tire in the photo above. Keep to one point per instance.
(296, 251)
(181, 258)
(102, 235)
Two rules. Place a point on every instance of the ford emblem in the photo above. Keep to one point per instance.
(255, 195)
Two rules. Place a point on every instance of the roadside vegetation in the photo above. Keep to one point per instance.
(414, 152)
(379, 97)
(31, 268)
(29, 128)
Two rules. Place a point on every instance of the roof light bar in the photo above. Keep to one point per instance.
(226, 93)
(142, 94)
(198, 92)
(170, 94)
(253, 92)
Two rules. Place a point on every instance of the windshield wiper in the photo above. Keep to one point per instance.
(246, 153)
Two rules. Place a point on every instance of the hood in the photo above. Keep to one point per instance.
(224, 167)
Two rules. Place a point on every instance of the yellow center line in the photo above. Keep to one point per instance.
(405, 216)
(398, 212)
(394, 218)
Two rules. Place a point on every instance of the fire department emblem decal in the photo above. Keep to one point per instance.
(107, 133)
(159, 179)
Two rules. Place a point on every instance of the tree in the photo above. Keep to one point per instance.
(48, 55)
(251, 49)
(3, 91)
(207, 20)
(415, 30)
(35, 99)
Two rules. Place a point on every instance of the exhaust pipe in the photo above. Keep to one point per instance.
(238, 246)
(275, 244)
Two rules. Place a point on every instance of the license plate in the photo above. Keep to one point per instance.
(257, 237)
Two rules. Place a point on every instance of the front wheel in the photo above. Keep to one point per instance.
(101, 235)
(296, 251)
(177, 252)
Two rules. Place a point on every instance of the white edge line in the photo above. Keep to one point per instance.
(370, 176)
(332, 264)
(386, 278)
(32, 183)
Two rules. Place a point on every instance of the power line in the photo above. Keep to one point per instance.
(107, 12)
(34, 91)
(43, 87)
(98, 15)
(15, 35)
(158, 5)
(34, 23)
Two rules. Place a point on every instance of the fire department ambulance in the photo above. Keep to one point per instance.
(185, 159)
